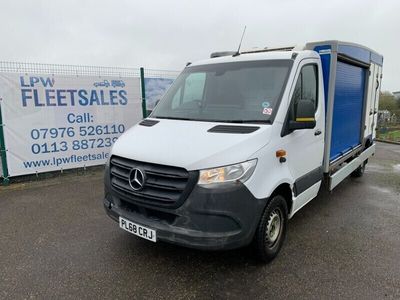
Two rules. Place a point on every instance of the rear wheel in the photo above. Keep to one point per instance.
(271, 231)
(360, 170)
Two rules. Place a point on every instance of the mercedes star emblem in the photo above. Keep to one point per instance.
(137, 179)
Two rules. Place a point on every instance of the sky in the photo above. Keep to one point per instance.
(167, 34)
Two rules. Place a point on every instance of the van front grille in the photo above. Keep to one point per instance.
(162, 186)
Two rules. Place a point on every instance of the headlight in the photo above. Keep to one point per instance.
(238, 172)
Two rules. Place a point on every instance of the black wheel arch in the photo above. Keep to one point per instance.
(285, 191)
(368, 142)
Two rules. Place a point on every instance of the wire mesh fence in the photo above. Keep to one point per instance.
(154, 83)
(62, 69)
(388, 127)
(150, 73)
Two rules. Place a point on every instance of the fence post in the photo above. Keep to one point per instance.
(3, 152)
(142, 85)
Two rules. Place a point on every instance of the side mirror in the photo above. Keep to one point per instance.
(305, 116)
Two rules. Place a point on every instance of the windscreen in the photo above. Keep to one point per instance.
(239, 92)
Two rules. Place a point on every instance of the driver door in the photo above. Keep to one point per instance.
(305, 147)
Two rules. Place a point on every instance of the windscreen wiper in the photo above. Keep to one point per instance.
(250, 121)
(175, 118)
(216, 121)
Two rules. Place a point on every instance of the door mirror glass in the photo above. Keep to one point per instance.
(305, 111)
(304, 115)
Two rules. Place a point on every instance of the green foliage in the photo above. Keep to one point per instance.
(390, 135)
(387, 101)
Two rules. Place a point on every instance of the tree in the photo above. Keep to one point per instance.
(388, 102)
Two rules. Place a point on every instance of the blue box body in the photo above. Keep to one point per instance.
(345, 69)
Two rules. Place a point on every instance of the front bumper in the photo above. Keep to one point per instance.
(225, 217)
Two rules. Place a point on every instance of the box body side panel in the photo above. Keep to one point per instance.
(348, 109)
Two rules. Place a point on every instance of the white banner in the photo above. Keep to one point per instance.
(62, 122)
(1, 163)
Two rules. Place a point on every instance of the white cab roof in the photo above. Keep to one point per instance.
(272, 55)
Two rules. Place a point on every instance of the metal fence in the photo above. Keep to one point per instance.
(3, 159)
(155, 82)
(388, 127)
(52, 69)
(161, 77)
(150, 73)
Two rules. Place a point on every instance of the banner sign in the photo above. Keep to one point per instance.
(155, 89)
(62, 122)
(1, 163)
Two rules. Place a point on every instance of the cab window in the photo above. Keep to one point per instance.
(306, 89)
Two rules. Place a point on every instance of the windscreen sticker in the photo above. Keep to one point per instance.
(267, 111)
(265, 104)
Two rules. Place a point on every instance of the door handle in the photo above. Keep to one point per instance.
(317, 132)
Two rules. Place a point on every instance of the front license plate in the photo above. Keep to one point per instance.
(139, 230)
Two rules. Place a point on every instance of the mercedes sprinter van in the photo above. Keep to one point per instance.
(241, 141)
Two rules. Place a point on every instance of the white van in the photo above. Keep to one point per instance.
(241, 141)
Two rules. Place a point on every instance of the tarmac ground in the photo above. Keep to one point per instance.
(57, 242)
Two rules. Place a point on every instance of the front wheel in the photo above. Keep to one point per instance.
(271, 231)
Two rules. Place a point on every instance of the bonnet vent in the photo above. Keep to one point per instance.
(148, 123)
(233, 129)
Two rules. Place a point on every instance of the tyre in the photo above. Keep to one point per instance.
(360, 170)
(271, 231)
